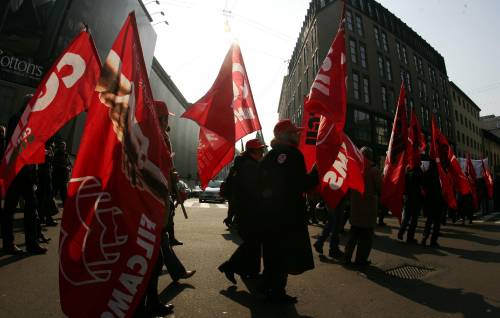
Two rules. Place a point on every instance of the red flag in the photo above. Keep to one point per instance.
(327, 98)
(64, 92)
(214, 152)
(393, 179)
(308, 137)
(345, 173)
(227, 111)
(416, 140)
(450, 162)
(118, 193)
(444, 178)
(470, 173)
(487, 179)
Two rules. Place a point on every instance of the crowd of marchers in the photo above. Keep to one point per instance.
(272, 199)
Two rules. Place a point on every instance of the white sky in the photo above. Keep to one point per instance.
(192, 47)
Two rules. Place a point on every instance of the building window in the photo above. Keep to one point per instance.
(362, 125)
(383, 93)
(359, 25)
(381, 131)
(388, 70)
(362, 55)
(355, 85)
(385, 46)
(456, 114)
(390, 100)
(381, 66)
(408, 81)
(398, 49)
(348, 18)
(366, 90)
(354, 53)
(376, 33)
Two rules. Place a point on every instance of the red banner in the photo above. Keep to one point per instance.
(328, 98)
(214, 152)
(345, 173)
(470, 173)
(118, 193)
(308, 137)
(64, 92)
(444, 178)
(416, 140)
(488, 180)
(393, 178)
(227, 112)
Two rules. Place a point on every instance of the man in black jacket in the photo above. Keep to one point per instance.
(245, 261)
(413, 204)
(284, 179)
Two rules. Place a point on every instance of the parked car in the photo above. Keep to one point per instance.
(212, 192)
(195, 192)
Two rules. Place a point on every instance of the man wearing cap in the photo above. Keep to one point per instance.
(284, 179)
(245, 261)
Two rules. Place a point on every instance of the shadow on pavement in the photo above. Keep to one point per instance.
(392, 245)
(258, 306)
(6, 259)
(445, 300)
(172, 290)
(232, 236)
(478, 256)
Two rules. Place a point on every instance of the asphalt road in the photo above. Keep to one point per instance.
(461, 279)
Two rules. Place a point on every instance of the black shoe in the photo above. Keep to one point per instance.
(434, 245)
(282, 299)
(13, 250)
(400, 236)
(36, 249)
(336, 253)
(318, 247)
(175, 242)
(162, 310)
(227, 222)
(186, 275)
(229, 274)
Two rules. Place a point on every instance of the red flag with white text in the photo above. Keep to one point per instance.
(416, 140)
(214, 152)
(308, 137)
(444, 177)
(118, 192)
(345, 173)
(64, 92)
(227, 111)
(328, 98)
(470, 174)
(487, 179)
(393, 178)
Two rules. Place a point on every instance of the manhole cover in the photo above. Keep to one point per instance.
(406, 271)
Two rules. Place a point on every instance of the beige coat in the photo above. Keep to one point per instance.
(364, 208)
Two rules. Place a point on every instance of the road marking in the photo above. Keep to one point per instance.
(193, 203)
(497, 222)
(221, 206)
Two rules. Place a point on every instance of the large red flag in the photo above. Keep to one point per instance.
(118, 193)
(470, 173)
(64, 92)
(487, 179)
(227, 111)
(393, 179)
(416, 142)
(345, 173)
(328, 98)
(444, 178)
(450, 162)
(308, 137)
(214, 152)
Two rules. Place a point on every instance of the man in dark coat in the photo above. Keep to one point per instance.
(413, 204)
(434, 205)
(245, 261)
(284, 179)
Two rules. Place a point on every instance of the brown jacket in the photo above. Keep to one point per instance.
(364, 207)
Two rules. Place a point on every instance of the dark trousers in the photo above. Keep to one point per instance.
(363, 238)
(150, 298)
(410, 219)
(246, 259)
(275, 273)
(433, 223)
(332, 227)
(19, 188)
(173, 264)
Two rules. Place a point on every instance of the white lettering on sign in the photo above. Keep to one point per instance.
(336, 175)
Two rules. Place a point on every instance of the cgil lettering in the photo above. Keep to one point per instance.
(122, 296)
(336, 175)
